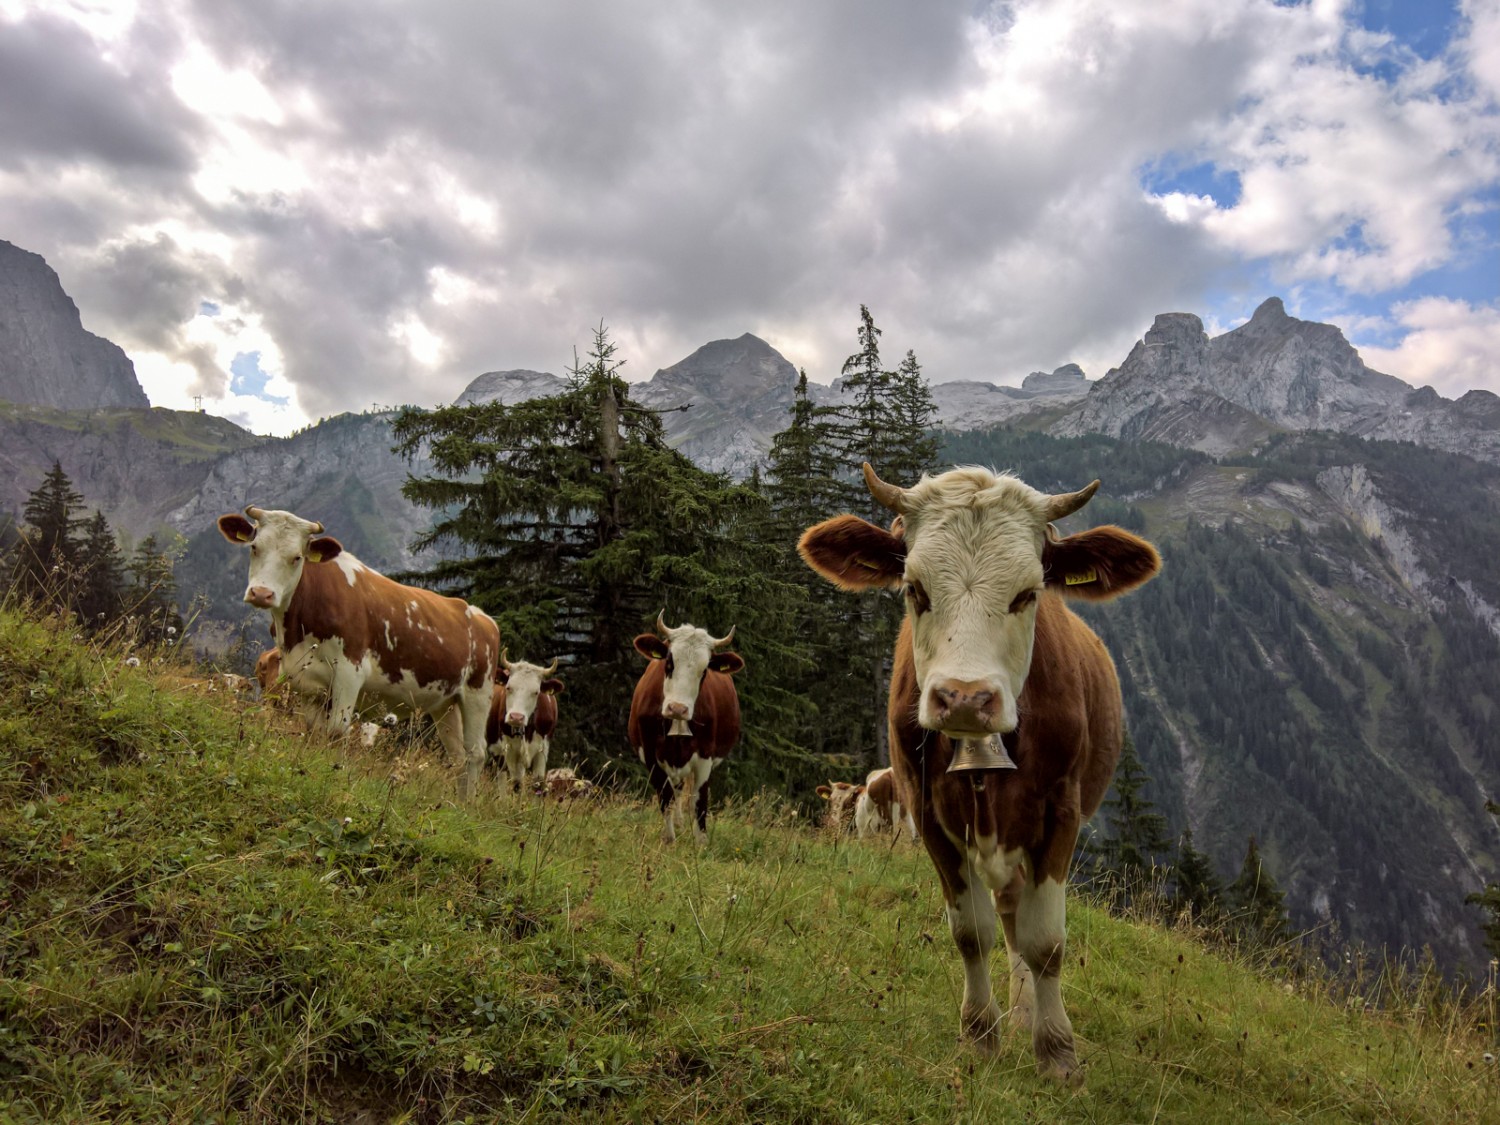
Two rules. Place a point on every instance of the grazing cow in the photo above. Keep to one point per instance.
(564, 784)
(344, 630)
(685, 715)
(523, 716)
(841, 797)
(878, 808)
(987, 649)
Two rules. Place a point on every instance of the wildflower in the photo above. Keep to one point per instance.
(132, 662)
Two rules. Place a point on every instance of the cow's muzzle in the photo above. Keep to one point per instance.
(962, 708)
(516, 721)
(260, 597)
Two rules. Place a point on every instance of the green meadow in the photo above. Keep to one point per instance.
(210, 917)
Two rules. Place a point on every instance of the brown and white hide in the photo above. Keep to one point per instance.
(348, 635)
(878, 809)
(990, 649)
(684, 716)
(523, 715)
(564, 784)
(842, 796)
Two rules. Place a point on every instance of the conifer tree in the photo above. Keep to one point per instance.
(1488, 900)
(1257, 905)
(101, 590)
(152, 596)
(1197, 887)
(1134, 841)
(41, 562)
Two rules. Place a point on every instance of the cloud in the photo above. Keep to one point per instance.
(1448, 344)
(392, 200)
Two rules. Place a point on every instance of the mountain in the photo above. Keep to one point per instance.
(1273, 373)
(510, 387)
(46, 356)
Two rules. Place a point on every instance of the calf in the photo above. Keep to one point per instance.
(989, 654)
(344, 631)
(523, 715)
(685, 715)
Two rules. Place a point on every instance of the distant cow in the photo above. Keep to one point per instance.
(988, 648)
(523, 716)
(565, 785)
(685, 715)
(268, 670)
(344, 630)
(878, 808)
(841, 797)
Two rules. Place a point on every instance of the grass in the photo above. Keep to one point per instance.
(208, 917)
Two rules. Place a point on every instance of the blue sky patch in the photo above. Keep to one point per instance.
(1204, 178)
(246, 378)
(207, 308)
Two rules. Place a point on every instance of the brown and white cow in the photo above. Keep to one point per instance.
(345, 631)
(841, 796)
(878, 808)
(685, 715)
(522, 718)
(989, 648)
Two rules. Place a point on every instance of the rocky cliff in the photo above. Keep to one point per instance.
(46, 356)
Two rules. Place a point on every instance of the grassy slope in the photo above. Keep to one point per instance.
(207, 917)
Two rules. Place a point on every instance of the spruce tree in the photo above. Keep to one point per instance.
(101, 590)
(1488, 900)
(1134, 841)
(1196, 886)
(152, 594)
(43, 560)
(1256, 904)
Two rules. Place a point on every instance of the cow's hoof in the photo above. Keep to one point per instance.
(1056, 1059)
(982, 1028)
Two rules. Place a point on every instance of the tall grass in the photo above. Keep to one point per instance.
(209, 916)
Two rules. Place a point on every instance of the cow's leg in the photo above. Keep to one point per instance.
(664, 793)
(539, 748)
(343, 696)
(1022, 995)
(1042, 938)
(515, 761)
(702, 772)
(474, 705)
(971, 919)
(450, 732)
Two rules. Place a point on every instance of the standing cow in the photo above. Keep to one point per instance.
(523, 717)
(685, 715)
(989, 648)
(878, 808)
(344, 630)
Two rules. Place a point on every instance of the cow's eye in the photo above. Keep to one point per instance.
(671, 664)
(916, 597)
(1022, 600)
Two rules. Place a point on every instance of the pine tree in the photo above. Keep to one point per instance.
(1197, 887)
(1134, 842)
(1488, 900)
(914, 415)
(571, 520)
(152, 596)
(1256, 904)
(101, 591)
(43, 560)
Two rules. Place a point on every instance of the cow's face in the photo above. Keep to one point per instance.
(524, 685)
(971, 553)
(841, 796)
(688, 653)
(281, 544)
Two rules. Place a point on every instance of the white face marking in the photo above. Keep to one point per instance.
(973, 569)
(277, 555)
(686, 662)
(521, 691)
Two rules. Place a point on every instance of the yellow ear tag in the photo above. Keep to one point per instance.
(314, 556)
(868, 565)
(243, 536)
(1089, 575)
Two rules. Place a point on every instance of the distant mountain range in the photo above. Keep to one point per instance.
(1320, 667)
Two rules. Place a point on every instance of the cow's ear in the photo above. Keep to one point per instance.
(323, 548)
(854, 554)
(236, 528)
(502, 676)
(1098, 564)
(649, 644)
(552, 687)
(824, 792)
(730, 662)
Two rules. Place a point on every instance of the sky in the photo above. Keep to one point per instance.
(295, 208)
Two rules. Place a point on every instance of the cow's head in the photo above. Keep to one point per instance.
(524, 684)
(280, 544)
(841, 796)
(689, 653)
(268, 669)
(971, 552)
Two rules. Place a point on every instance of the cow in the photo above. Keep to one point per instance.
(685, 715)
(522, 717)
(564, 784)
(842, 796)
(989, 650)
(878, 808)
(268, 670)
(344, 631)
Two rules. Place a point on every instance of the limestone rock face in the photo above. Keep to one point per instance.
(46, 356)
(510, 387)
(1066, 380)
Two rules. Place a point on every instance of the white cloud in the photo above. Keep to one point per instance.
(1452, 345)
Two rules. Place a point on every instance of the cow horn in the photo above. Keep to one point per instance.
(886, 495)
(551, 668)
(253, 512)
(662, 628)
(1066, 503)
(317, 528)
(505, 658)
(724, 640)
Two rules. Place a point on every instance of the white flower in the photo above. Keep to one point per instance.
(132, 662)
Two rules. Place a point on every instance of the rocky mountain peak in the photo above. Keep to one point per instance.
(1068, 378)
(510, 387)
(46, 356)
(740, 370)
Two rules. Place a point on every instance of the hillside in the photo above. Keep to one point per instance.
(208, 917)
